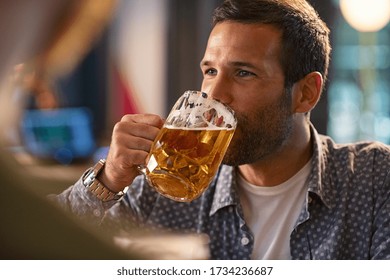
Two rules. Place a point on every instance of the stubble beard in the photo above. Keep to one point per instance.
(262, 134)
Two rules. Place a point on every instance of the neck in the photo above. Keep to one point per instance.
(282, 165)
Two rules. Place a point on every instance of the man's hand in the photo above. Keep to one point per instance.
(131, 141)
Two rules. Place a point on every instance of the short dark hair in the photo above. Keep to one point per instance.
(305, 37)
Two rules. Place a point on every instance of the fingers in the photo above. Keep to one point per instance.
(131, 141)
(133, 136)
(149, 119)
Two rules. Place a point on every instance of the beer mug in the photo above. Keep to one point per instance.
(187, 152)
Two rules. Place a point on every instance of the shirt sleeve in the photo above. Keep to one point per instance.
(380, 248)
(381, 233)
(117, 214)
(89, 209)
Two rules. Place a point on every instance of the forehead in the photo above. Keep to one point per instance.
(253, 41)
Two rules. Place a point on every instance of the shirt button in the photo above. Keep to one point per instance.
(244, 241)
(96, 212)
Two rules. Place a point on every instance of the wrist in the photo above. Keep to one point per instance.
(104, 179)
(92, 182)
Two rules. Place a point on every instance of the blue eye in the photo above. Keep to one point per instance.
(211, 72)
(244, 73)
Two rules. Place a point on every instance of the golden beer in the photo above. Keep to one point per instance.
(183, 161)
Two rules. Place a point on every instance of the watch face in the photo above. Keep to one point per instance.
(89, 177)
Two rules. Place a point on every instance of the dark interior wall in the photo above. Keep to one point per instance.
(319, 116)
(87, 85)
(189, 24)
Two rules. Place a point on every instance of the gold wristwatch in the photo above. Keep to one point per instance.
(96, 187)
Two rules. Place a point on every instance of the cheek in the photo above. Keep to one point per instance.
(252, 101)
(245, 106)
(248, 112)
(262, 116)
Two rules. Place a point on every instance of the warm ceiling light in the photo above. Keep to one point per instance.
(366, 15)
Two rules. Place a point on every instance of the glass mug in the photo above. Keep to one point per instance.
(188, 150)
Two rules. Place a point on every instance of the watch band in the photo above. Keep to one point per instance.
(98, 188)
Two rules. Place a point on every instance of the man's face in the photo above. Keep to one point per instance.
(241, 68)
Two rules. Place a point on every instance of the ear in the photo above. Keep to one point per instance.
(307, 92)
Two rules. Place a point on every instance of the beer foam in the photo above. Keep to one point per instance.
(195, 111)
(197, 128)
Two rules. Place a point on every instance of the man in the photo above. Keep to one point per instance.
(284, 191)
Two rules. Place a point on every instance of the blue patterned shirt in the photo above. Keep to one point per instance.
(346, 214)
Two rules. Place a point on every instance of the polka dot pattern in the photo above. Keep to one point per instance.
(346, 215)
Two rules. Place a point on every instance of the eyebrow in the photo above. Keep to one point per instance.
(204, 63)
(233, 63)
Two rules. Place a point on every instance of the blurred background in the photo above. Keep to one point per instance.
(149, 55)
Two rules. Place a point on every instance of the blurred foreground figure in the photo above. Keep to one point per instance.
(50, 35)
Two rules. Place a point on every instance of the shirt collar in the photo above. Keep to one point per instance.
(226, 186)
(225, 189)
(317, 179)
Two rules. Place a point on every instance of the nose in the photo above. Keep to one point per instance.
(218, 88)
